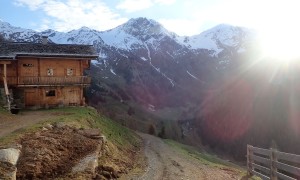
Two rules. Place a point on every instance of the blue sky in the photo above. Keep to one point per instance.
(184, 17)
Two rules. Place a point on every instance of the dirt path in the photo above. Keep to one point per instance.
(11, 123)
(166, 163)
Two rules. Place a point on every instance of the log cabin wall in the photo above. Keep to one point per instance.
(60, 67)
(28, 67)
(46, 66)
(45, 97)
(45, 75)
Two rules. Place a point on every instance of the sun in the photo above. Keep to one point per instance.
(276, 23)
(281, 44)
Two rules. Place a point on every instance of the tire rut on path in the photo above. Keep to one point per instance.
(165, 163)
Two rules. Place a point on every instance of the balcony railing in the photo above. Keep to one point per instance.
(48, 81)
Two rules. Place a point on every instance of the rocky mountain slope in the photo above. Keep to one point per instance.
(142, 61)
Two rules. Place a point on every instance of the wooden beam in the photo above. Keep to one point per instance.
(264, 177)
(288, 168)
(262, 168)
(288, 157)
(261, 151)
(4, 80)
(284, 177)
(39, 67)
(4, 70)
(5, 62)
(6, 87)
(81, 68)
(249, 160)
(273, 158)
(262, 160)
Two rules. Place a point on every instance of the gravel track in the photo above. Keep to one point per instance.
(166, 163)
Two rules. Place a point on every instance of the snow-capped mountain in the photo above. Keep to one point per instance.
(219, 38)
(134, 32)
(18, 34)
(143, 61)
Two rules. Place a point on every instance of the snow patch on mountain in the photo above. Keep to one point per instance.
(144, 59)
(218, 38)
(192, 75)
(112, 71)
(118, 38)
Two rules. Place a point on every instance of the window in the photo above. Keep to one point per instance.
(70, 72)
(27, 65)
(50, 72)
(50, 93)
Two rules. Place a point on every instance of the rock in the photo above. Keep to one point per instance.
(49, 126)
(90, 133)
(44, 129)
(106, 174)
(59, 125)
(103, 138)
(12, 175)
(100, 177)
(7, 171)
(10, 155)
(87, 164)
(107, 169)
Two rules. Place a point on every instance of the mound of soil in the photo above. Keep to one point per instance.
(52, 153)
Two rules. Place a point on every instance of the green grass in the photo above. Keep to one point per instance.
(208, 159)
(3, 111)
(205, 158)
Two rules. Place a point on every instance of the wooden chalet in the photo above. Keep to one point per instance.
(42, 75)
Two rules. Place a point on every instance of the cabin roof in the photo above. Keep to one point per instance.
(10, 51)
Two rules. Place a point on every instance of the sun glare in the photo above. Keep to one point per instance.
(279, 30)
(282, 45)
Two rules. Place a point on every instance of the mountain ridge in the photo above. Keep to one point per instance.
(132, 28)
(147, 63)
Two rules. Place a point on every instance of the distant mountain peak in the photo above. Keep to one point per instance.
(143, 21)
(143, 26)
(84, 28)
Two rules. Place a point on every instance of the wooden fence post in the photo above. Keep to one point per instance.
(273, 157)
(249, 160)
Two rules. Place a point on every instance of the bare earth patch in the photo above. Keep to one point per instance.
(53, 153)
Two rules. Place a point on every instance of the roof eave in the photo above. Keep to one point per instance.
(57, 55)
(8, 58)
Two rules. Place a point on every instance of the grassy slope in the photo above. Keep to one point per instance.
(207, 159)
(82, 117)
(122, 146)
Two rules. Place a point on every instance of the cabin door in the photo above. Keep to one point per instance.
(73, 96)
(31, 97)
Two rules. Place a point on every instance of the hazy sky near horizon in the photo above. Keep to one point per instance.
(184, 17)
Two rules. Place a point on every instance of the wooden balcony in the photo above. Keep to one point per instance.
(48, 81)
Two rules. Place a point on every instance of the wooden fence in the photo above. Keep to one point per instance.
(272, 164)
